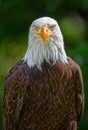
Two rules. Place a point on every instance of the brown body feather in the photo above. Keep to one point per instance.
(51, 99)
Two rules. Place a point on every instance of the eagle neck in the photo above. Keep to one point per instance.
(38, 53)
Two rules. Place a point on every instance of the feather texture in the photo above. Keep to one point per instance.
(51, 99)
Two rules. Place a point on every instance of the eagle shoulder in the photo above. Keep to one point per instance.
(79, 86)
(15, 89)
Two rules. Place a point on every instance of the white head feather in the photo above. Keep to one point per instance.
(37, 52)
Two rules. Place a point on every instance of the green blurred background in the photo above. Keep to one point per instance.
(15, 19)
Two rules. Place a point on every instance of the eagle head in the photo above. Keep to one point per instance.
(45, 43)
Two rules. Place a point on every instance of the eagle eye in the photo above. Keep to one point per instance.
(52, 27)
(36, 28)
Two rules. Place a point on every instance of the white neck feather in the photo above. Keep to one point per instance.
(37, 52)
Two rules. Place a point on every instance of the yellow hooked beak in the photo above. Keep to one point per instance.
(44, 33)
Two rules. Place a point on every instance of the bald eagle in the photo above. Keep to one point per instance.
(43, 91)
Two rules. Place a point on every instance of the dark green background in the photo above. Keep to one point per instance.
(15, 19)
